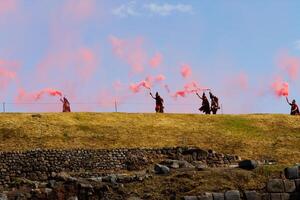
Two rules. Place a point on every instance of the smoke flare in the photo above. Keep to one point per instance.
(186, 70)
(280, 88)
(156, 60)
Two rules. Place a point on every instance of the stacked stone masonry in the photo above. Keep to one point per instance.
(276, 189)
(40, 164)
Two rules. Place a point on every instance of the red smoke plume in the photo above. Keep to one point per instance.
(87, 61)
(6, 72)
(242, 81)
(79, 9)
(147, 83)
(280, 88)
(291, 64)
(186, 70)
(135, 88)
(156, 60)
(7, 6)
(23, 95)
(130, 51)
(48, 91)
(160, 77)
(117, 85)
(81, 62)
(189, 88)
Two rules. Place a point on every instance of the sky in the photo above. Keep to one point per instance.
(101, 54)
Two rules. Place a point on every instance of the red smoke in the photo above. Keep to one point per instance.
(160, 77)
(23, 95)
(4, 73)
(242, 81)
(181, 93)
(130, 51)
(81, 62)
(186, 70)
(79, 9)
(147, 83)
(290, 64)
(135, 88)
(7, 6)
(7, 72)
(87, 61)
(280, 88)
(189, 88)
(117, 85)
(48, 91)
(156, 60)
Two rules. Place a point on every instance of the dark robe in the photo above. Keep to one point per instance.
(66, 105)
(205, 108)
(159, 108)
(294, 109)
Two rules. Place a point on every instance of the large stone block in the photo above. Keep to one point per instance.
(161, 169)
(190, 198)
(280, 196)
(232, 195)
(205, 196)
(219, 196)
(295, 196)
(266, 196)
(292, 172)
(275, 186)
(275, 196)
(252, 195)
(3, 197)
(285, 196)
(248, 164)
(289, 186)
(297, 183)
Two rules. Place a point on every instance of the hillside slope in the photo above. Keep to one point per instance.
(250, 136)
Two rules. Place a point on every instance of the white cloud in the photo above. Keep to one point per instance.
(125, 10)
(167, 9)
(297, 44)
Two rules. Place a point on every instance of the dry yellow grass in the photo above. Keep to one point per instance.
(250, 136)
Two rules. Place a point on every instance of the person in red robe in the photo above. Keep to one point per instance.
(294, 107)
(66, 105)
(159, 107)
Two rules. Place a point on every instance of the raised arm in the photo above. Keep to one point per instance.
(152, 96)
(287, 100)
(199, 95)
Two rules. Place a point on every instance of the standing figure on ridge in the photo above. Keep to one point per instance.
(294, 107)
(66, 105)
(205, 108)
(159, 108)
(214, 105)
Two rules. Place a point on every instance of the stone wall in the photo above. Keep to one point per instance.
(287, 188)
(40, 164)
(248, 195)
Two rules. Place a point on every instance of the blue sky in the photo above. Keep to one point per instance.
(232, 47)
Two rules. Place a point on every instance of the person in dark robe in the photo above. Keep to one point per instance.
(205, 108)
(66, 105)
(214, 105)
(159, 107)
(294, 107)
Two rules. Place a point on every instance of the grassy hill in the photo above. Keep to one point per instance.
(250, 136)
